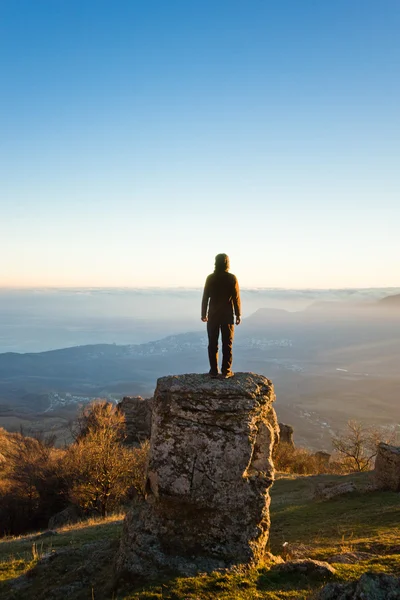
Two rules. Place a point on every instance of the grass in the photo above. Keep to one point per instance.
(78, 562)
(83, 531)
(45, 561)
(257, 583)
(365, 521)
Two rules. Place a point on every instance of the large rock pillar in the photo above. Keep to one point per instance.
(208, 479)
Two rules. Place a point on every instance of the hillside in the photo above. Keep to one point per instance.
(390, 301)
(76, 562)
(324, 363)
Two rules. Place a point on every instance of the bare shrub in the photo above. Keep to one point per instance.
(32, 484)
(357, 446)
(97, 472)
(138, 467)
(102, 471)
(288, 459)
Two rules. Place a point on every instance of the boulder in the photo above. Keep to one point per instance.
(323, 458)
(370, 586)
(137, 411)
(71, 514)
(208, 478)
(293, 550)
(326, 491)
(286, 434)
(350, 558)
(307, 566)
(387, 468)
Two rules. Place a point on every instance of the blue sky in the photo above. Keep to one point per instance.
(139, 139)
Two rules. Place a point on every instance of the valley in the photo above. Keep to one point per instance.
(328, 364)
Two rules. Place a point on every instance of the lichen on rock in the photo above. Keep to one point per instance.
(286, 434)
(137, 412)
(208, 478)
(387, 468)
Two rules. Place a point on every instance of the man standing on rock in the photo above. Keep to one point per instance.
(221, 297)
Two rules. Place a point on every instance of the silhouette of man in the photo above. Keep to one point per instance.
(222, 299)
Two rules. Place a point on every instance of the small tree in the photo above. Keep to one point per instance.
(358, 445)
(102, 469)
(32, 483)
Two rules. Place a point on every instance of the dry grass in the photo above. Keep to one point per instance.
(301, 461)
(83, 524)
(82, 554)
(92, 522)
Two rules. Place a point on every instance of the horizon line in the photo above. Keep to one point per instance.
(189, 288)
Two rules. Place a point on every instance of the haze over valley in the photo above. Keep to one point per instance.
(333, 355)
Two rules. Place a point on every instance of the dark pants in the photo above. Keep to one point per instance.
(227, 330)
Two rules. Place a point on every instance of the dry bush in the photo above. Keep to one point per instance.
(340, 465)
(97, 472)
(289, 459)
(357, 445)
(32, 486)
(138, 468)
(100, 416)
(102, 471)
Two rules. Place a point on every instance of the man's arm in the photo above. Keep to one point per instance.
(205, 299)
(236, 302)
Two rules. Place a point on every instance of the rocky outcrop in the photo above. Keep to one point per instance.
(307, 566)
(370, 586)
(322, 458)
(137, 411)
(208, 478)
(286, 434)
(387, 468)
(69, 515)
(326, 491)
(350, 558)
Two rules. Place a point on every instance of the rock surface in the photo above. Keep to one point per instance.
(293, 550)
(370, 586)
(286, 434)
(137, 411)
(208, 478)
(307, 566)
(387, 468)
(71, 514)
(323, 458)
(350, 558)
(326, 491)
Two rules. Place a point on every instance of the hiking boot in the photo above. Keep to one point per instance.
(227, 374)
(213, 374)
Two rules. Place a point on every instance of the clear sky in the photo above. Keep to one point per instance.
(140, 138)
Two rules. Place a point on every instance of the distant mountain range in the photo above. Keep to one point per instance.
(390, 301)
(325, 356)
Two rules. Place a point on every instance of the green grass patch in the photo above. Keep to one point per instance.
(21, 556)
(380, 564)
(79, 534)
(246, 585)
(368, 521)
(83, 554)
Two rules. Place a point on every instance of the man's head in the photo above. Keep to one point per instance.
(222, 262)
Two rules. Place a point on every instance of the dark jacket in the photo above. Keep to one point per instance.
(222, 290)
